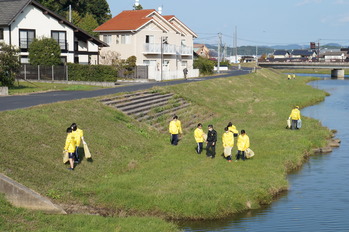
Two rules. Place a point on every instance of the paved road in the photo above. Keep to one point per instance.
(24, 101)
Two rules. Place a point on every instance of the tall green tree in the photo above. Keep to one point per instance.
(44, 51)
(88, 23)
(98, 8)
(9, 64)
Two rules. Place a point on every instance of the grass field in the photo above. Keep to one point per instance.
(135, 172)
(25, 87)
(311, 71)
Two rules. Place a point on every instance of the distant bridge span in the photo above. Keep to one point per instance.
(337, 68)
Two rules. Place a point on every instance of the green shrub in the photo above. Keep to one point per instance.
(78, 72)
(204, 65)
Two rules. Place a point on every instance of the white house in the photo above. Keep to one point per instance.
(163, 43)
(23, 20)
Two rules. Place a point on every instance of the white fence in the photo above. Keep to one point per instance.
(171, 75)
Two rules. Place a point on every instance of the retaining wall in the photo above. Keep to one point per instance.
(21, 196)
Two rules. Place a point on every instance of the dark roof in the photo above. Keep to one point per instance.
(298, 52)
(9, 10)
(280, 52)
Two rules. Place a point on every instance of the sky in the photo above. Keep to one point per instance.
(257, 22)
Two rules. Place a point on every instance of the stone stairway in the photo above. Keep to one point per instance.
(157, 109)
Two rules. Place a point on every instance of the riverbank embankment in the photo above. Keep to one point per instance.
(135, 172)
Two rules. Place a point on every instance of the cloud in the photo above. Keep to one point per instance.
(306, 2)
(344, 19)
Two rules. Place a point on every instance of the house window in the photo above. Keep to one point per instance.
(149, 39)
(61, 38)
(125, 39)
(183, 42)
(26, 37)
(107, 39)
(1, 33)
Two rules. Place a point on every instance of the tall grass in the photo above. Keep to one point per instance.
(135, 170)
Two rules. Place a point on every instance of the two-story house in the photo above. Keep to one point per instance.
(163, 43)
(21, 21)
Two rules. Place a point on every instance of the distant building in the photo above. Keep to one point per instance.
(281, 54)
(298, 53)
(202, 51)
(334, 56)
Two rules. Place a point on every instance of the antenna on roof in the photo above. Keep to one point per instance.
(160, 9)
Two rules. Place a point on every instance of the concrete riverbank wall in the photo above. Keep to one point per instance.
(21, 196)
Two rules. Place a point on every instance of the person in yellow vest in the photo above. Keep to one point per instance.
(295, 116)
(233, 129)
(175, 128)
(228, 143)
(242, 144)
(199, 136)
(79, 136)
(70, 147)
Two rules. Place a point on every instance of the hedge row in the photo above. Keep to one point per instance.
(100, 73)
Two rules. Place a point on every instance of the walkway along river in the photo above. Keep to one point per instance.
(318, 198)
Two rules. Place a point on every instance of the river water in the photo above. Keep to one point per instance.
(318, 197)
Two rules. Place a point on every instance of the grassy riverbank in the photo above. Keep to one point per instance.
(311, 71)
(26, 87)
(136, 172)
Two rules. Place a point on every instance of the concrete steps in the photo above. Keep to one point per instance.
(146, 105)
(157, 109)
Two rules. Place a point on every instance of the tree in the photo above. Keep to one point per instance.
(88, 23)
(99, 9)
(129, 66)
(138, 7)
(9, 64)
(44, 51)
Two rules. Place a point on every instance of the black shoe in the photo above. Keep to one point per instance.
(71, 169)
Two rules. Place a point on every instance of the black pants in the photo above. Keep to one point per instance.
(76, 154)
(174, 139)
(199, 148)
(211, 149)
(294, 124)
(240, 154)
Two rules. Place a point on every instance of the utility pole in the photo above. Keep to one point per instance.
(162, 57)
(236, 44)
(219, 51)
(69, 13)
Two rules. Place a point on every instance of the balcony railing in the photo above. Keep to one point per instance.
(167, 49)
(185, 50)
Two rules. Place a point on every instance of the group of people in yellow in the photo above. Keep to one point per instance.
(228, 137)
(72, 143)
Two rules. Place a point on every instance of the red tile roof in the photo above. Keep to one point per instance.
(168, 17)
(126, 21)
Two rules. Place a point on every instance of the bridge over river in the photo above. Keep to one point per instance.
(337, 68)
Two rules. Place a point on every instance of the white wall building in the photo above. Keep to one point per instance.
(21, 21)
(163, 43)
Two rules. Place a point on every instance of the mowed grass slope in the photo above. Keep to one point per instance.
(136, 172)
(15, 219)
